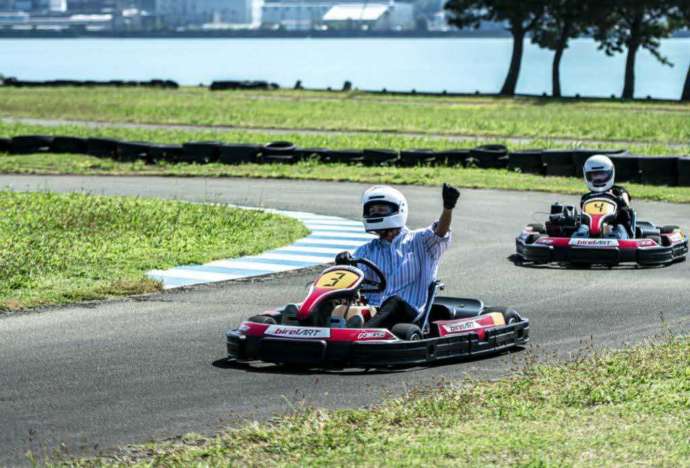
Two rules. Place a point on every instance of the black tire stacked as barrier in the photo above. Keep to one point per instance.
(155, 83)
(66, 144)
(200, 152)
(27, 144)
(5, 145)
(238, 153)
(102, 147)
(235, 84)
(488, 157)
(527, 161)
(648, 170)
(657, 170)
(683, 170)
(417, 157)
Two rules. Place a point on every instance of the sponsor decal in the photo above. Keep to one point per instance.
(298, 332)
(372, 335)
(544, 241)
(462, 326)
(594, 243)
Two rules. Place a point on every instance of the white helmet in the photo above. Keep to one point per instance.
(383, 207)
(600, 173)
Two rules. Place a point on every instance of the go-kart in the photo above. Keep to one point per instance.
(648, 245)
(319, 332)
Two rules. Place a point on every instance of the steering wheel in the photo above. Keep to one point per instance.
(378, 285)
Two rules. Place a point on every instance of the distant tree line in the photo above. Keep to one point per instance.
(616, 25)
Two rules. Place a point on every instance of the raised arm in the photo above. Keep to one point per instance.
(450, 198)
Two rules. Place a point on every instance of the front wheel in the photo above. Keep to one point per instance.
(510, 315)
(407, 331)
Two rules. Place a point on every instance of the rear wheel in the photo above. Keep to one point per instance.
(262, 319)
(510, 315)
(407, 331)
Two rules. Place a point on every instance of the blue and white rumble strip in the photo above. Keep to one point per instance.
(329, 235)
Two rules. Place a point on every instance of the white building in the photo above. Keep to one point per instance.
(295, 15)
(174, 13)
(371, 16)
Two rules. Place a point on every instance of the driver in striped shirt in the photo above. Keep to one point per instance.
(409, 259)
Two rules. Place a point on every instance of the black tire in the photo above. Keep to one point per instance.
(669, 229)
(407, 331)
(510, 315)
(262, 319)
(26, 144)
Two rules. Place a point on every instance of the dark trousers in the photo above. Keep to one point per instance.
(393, 310)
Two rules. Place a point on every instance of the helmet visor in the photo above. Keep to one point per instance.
(599, 178)
(379, 209)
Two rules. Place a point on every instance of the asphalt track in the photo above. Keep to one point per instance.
(105, 374)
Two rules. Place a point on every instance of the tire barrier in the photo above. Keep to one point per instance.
(379, 157)
(31, 144)
(455, 158)
(656, 170)
(558, 163)
(488, 157)
(527, 161)
(417, 157)
(5, 145)
(238, 153)
(233, 85)
(156, 83)
(200, 152)
(62, 144)
(684, 172)
(278, 152)
(102, 147)
(627, 168)
(130, 151)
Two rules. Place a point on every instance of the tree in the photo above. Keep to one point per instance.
(564, 20)
(521, 16)
(635, 24)
(684, 21)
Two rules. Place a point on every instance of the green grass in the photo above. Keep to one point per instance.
(497, 117)
(61, 248)
(628, 408)
(462, 177)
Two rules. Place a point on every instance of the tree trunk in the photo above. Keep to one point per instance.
(556, 66)
(633, 46)
(514, 71)
(686, 88)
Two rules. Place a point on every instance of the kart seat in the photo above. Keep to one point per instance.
(449, 308)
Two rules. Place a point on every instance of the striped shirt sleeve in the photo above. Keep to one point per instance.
(433, 244)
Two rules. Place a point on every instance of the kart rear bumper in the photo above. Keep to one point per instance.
(364, 354)
(648, 256)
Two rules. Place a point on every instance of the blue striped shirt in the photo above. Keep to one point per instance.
(409, 262)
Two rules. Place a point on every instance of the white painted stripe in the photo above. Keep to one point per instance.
(297, 258)
(251, 265)
(345, 235)
(193, 274)
(325, 227)
(354, 243)
(304, 248)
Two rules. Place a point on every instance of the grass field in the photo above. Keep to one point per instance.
(628, 408)
(74, 247)
(494, 117)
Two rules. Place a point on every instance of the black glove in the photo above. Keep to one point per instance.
(344, 258)
(450, 196)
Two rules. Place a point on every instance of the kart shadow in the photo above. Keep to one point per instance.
(266, 368)
(516, 260)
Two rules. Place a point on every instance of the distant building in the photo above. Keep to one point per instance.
(371, 16)
(294, 15)
(178, 13)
